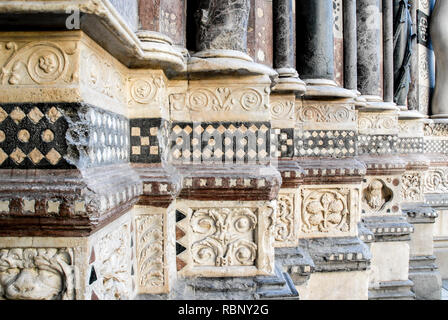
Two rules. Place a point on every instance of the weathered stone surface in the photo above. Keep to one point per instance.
(222, 24)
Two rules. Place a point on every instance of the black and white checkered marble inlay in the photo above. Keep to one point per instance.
(436, 146)
(220, 142)
(61, 136)
(145, 139)
(282, 142)
(409, 145)
(377, 144)
(326, 143)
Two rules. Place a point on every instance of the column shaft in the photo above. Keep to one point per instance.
(284, 34)
(222, 24)
(369, 47)
(315, 43)
(350, 47)
(388, 51)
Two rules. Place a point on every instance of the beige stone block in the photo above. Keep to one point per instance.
(351, 285)
(327, 115)
(155, 249)
(283, 111)
(329, 211)
(225, 99)
(378, 123)
(422, 239)
(441, 253)
(381, 195)
(226, 238)
(390, 261)
(286, 232)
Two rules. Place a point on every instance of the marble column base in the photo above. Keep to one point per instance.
(426, 277)
(392, 290)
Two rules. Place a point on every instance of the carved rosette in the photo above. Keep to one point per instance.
(329, 211)
(228, 240)
(381, 195)
(37, 274)
(147, 92)
(436, 181)
(412, 187)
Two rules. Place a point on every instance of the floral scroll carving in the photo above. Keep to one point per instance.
(226, 237)
(41, 62)
(284, 227)
(219, 99)
(326, 210)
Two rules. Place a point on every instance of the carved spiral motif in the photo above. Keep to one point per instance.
(434, 181)
(281, 110)
(251, 99)
(47, 64)
(245, 252)
(199, 99)
(142, 91)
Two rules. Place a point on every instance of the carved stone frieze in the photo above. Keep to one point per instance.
(412, 187)
(222, 100)
(378, 123)
(329, 211)
(436, 180)
(37, 274)
(381, 195)
(114, 264)
(230, 239)
(287, 223)
(327, 115)
(151, 250)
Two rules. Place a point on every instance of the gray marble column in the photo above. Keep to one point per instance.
(388, 51)
(284, 54)
(222, 25)
(350, 46)
(369, 47)
(315, 51)
(439, 36)
(283, 34)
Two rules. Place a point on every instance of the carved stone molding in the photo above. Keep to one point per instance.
(412, 187)
(288, 218)
(436, 180)
(378, 123)
(152, 249)
(37, 274)
(221, 100)
(283, 111)
(329, 211)
(327, 115)
(226, 239)
(381, 195)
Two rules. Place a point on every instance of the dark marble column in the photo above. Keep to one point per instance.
(284, 46)
(283, 34)
(403, 39)
(222, 24)
(167, 17)
(315, 52)
(350, 45)
(388, 51)
(439, 35)
(369, 47)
